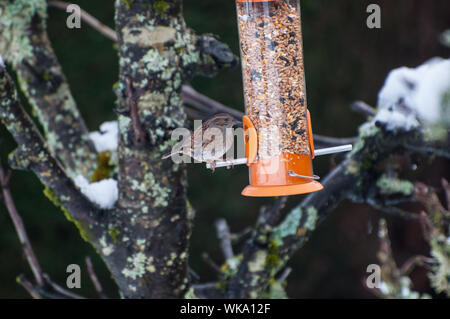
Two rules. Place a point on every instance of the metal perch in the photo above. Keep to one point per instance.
(323, 151)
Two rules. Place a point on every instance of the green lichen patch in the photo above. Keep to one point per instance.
(230, 267)
(311, 220)
(135, 266)
(440, 276)
(288, 227)
(353, 167)
(272, 258)
(15, 18)
(259, 261)
(114, 233)
(392, 186)
(128, 3)
(190, 294)
(275, 290)
(161, 6)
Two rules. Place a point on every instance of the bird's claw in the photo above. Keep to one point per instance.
(212, 165)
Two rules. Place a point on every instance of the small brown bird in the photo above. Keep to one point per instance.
(215, 137)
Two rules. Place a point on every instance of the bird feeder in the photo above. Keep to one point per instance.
(278, 136)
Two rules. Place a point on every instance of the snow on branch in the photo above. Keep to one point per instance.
(103, 193)
(107, 138)
(412, 97)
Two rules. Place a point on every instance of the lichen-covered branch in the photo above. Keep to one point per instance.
(25, 45)
(33, 154)
(436, 228)
(359, 177)
(395, 282)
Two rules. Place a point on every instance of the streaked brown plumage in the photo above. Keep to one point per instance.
(219, 126)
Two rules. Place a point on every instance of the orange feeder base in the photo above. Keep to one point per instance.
(270, 177)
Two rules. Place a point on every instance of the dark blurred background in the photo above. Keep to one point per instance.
(344, 60)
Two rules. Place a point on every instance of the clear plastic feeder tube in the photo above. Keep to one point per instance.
(273, 74)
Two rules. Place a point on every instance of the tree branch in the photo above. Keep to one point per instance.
(20, 228)
(152, 192)
(32, 154)
(89, 19)
(363, 108)
(223, 233)
(44, 285)
(28, 286)
(24, 43)
(358, 174)
(98, 287)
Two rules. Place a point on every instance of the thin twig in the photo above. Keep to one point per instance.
(194, 114)
(42, 280)
(446, 187)
(427, 149)
(237, 237)
(211, 263)
(139, 134)
(28, 286)
(286, 272)
(391, 210)
(414, 261)
(206, 285)
(223, 233)
(194, 276)
(49, 293)
(92, 21)
(206, 104)
(208, 290)
(426, 225)
(61, 290)
(98, 287)
(20, 228)
(363, 108)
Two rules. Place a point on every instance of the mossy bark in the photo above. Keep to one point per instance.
(157, 54)
(26, 46)
(33, 154)
(144, 240)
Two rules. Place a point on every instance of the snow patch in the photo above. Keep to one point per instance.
(103, 193)
(410, 96)
(107, 138)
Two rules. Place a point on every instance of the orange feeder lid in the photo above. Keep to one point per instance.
(280, 175)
